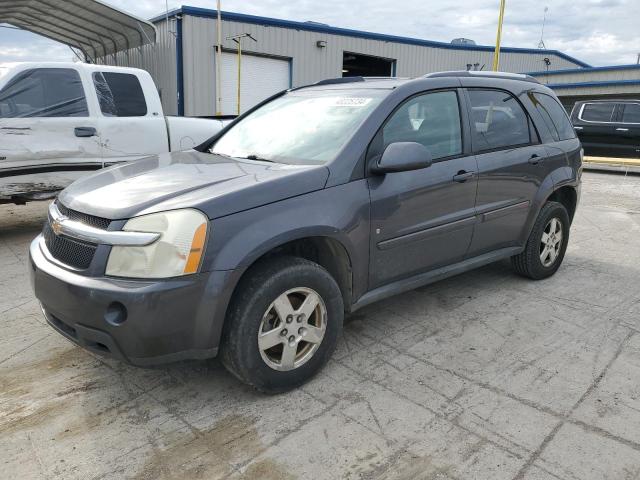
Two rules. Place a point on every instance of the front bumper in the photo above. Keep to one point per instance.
(166, 320)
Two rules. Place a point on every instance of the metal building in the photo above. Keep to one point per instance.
(572, 85)
(289, 54)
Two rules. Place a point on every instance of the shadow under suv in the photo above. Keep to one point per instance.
(315, 203)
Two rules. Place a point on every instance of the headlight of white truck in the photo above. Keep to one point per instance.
(178, 251)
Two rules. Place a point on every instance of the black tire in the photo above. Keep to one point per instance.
(260, 286)
(528, 263)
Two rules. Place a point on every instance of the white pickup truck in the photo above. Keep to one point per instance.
(59, 121)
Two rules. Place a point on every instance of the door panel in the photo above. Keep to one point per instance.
(420, 220)
(510, 170)
(40, 110)
(627, 131)
(595, 129)
(128, 127)
(507, 184)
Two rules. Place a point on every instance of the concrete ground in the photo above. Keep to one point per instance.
(483, 376)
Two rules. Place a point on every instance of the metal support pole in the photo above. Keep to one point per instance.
(219, 64)
(238, 40)
(496, 55)
(239, 72)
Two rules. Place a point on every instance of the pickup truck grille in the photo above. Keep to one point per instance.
(75, 253)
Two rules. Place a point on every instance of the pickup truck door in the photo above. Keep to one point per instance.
(130, 121)
(48, 137)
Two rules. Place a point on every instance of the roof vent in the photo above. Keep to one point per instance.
(463, 41)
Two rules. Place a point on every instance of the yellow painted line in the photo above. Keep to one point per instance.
(632, 162)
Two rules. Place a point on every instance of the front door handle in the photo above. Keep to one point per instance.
(622, 129)
(462, 176)
(535, 159)
(84, 132)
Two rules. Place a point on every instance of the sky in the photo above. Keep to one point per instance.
(598, 32)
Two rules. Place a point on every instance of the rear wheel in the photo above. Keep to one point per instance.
(283, 324)
(547, 243)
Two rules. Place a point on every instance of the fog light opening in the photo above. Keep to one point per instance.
(116, 314)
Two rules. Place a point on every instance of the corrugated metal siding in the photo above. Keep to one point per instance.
(591, 76)
(159, 60)
(311, 63)
(595, 91)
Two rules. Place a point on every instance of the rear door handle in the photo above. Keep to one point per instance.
(462, 176)
(622, 129)
(578, 128)
(535, 159)
(83, 132)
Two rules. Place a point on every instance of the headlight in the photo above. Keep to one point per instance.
(178, 251)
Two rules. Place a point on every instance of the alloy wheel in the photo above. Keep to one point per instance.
(292, 329)
(551, 242)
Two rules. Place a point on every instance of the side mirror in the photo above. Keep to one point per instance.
(403, 157)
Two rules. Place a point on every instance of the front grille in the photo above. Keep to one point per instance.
(75, 253)
(70, 252)
(98, 222)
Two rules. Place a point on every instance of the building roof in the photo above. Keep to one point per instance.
(91, 26)
(322, 28)
(609, 68)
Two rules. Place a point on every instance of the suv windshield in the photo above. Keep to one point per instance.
(303, 127)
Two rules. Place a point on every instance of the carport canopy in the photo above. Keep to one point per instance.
(91, 26)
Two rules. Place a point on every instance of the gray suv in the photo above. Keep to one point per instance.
(317, 202)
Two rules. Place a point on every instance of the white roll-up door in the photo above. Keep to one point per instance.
(261, 77)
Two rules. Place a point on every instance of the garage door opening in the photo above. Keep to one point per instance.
(358, 65)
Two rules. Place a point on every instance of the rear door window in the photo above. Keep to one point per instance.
(120, 94)
(554, 116)
(498, 120)
(44, 92)
(597, 112)
(631, 113)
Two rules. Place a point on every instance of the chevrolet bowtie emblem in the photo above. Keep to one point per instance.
(56, 226)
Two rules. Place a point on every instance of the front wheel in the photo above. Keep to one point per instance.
(283, 324)
(547, 243)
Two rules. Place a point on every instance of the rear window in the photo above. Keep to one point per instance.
(554, 116)
(498, 120)
(631, 113)
(44, 92)
(120, 94)
(597, 112)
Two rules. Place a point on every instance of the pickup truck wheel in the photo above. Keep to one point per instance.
(547, 243)
(283, 324)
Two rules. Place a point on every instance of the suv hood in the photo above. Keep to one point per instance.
(216, 185)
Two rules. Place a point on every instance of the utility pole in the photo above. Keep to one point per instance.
(219, 64)
(238, 40)
(496, 55)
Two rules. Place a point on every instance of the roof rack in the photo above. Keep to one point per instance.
(476, 73)
(333, 81)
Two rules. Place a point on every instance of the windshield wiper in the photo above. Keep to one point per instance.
(258, 158)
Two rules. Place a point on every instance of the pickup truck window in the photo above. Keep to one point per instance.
(120, 94)
(44, 92)
(432, 119)
(631, 113)
(597, 112)
(554, 116)
(498, 120)
(306, 127)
